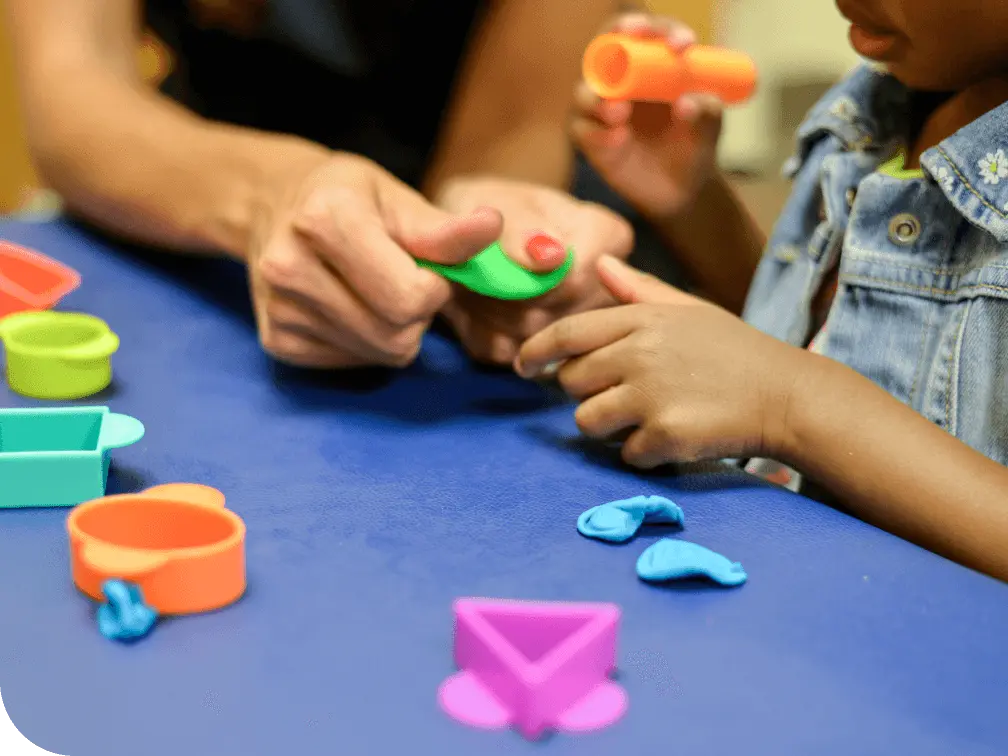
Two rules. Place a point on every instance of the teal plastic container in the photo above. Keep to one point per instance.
(59, 457)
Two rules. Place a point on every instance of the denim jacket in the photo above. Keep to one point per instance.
(921, 306)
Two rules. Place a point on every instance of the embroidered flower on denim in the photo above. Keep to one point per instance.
(944, 177)
(845, 109)
(993, 167)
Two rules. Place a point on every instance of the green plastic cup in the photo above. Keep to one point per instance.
(57, 355)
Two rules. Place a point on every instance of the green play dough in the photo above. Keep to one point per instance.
(493, 274)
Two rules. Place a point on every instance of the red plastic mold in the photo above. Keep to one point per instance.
(31, 281)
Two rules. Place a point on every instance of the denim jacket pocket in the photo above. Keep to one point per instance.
(934, 336)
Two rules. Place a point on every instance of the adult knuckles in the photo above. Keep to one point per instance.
(406, 302)
(404, 347)
(280, 267)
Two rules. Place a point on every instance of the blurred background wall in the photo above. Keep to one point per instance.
(799, 45)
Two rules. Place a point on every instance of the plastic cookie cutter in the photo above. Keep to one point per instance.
(672, 559)
(619, 521)
(623, 67)
(534, 666)
(60, 456)
(493, 274)
(177, 544)
(57, 355)
(31, 281)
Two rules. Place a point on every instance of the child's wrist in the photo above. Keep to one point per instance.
(821, 392)
(709, 193)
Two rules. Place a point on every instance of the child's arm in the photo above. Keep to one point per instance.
(892, 467)
(717, 241)
(689, 381)
(661, 159)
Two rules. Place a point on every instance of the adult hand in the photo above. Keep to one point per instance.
(656, 155)
(332, 269)
(687, 380)
(540, 223)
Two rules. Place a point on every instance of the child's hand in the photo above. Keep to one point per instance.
(655, 155)
(690, 380)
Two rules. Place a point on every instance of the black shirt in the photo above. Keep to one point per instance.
(371, 77)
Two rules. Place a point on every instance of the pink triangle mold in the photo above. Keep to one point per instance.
(534, 666)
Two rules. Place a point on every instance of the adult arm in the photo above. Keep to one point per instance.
(892, 467)
(509, 114)
(124, 156)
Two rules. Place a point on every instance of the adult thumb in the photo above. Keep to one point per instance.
(431, 234)
(631, 286)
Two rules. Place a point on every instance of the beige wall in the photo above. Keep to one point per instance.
(16, 175)
(799, 46)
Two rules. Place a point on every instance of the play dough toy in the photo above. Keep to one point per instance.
(32, 281)
(124, 615)
(672, 559)
(176, 543)
(619, 521)
(493, 274)
(623, 67)
(59, 457)
(534, 666)
(57, 355)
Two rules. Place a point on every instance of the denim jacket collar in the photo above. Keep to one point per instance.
(866, 110)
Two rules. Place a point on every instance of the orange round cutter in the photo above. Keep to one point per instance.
(623, 67)
(176, 542)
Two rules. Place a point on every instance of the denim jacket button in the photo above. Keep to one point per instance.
(904, 229)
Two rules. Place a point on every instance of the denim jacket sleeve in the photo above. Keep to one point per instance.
(921, 306)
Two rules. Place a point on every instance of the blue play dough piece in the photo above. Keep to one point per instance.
(125, 616)
(672, 559)
(619, 521)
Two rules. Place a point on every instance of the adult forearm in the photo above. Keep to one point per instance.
(539, 153)
(718, 243)
(137, 164)
(890, 466)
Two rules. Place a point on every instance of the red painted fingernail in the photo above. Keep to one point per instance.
(544, 248)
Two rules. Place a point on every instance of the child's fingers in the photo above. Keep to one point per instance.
(598, 141)
(594, 372)
(574, 336)
(699, 109)
(677, 34)
(631, 286)
(607, 112)
(614, 411)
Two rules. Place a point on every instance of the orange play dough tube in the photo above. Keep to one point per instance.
(622, 67)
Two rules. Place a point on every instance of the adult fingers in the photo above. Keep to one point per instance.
(481, 341)
(297, 291)
(353, 238)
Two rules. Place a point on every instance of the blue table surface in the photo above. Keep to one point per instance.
(373, 500)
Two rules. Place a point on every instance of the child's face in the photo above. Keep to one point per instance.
(938, 45)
